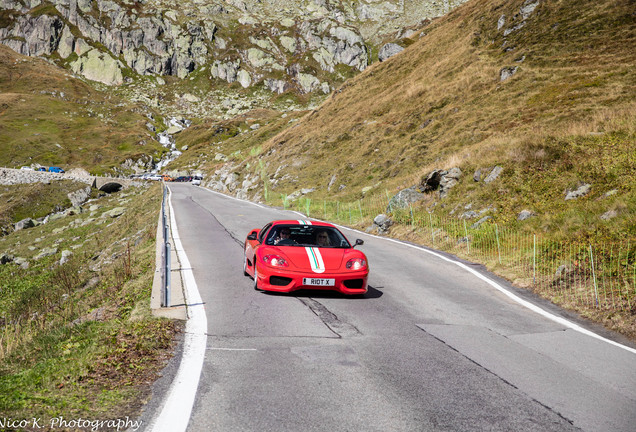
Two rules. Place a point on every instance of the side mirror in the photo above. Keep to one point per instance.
(252, 236)
(359, 242)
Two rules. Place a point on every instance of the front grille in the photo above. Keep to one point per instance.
(279, 281)
(354, 283)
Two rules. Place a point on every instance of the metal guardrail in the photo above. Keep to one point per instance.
(165, 253)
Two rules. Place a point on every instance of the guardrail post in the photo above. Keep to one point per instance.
(168, 267)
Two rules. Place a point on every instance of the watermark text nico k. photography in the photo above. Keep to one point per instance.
(70, 423)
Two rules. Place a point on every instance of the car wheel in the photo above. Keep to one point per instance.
(256, 279)
(245, 273)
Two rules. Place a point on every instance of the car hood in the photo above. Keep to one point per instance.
(317, 260)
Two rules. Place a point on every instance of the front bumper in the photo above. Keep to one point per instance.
(350, 283)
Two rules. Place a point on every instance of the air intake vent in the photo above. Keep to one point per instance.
(354, 283)
(279, 281)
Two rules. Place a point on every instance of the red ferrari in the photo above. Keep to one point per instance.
(289, 255)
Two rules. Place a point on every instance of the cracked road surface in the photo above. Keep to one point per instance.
(431, 347)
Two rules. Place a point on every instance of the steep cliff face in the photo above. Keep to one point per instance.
(299, 46)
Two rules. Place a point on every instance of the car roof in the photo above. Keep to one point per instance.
(301, 222)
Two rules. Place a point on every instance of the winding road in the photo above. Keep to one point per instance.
(437, 344)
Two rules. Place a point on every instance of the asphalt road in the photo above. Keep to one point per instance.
(431, 347)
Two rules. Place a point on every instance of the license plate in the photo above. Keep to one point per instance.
(319, 282)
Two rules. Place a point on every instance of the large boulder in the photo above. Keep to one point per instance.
(431, 181)
(80, 196)
(24, 224)
(440, 180)
(449, 180)
(389, 50)
(307, 82)
(47, 251)
(494, 174)
(97, 66)
(525, 214)
(244, 78)
(404, 198)
(382, 223)
(579, 192)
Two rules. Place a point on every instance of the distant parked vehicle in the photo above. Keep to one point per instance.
(26, 168)
(41, 169)
(55, 169)
(196, 180)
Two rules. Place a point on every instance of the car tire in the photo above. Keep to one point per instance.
(245, 273)
(256, 279)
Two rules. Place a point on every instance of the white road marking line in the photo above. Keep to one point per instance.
(501, 289)
(177, 406)
(492, 283)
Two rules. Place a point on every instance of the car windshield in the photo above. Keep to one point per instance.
(306, 235)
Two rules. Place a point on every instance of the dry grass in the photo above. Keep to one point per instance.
(440, 103)
(78, 339)
(49, 118)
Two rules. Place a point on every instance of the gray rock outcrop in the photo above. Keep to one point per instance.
(389, 50)
(79, 196)
(494, 174)
(48, 251)
(440, 180)
(24, 224)
(100, 67)
(525, 214)
(381, 223)
(6, 258)
(449, 180)
(507, 72)
(610, 214)
(300, 45)
(404, 198)
(114, 213)
(579, 192)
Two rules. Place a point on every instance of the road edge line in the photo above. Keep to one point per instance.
(177, 406)
(512, 296)
(528, 305)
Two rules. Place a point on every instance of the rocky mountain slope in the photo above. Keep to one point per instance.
(538, 92)
(300, 46)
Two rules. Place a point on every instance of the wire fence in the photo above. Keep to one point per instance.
(572, 274)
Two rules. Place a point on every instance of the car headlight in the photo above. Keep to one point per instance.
(356, 264)
(275, 261)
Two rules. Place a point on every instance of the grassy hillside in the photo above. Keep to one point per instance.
(76, 333)
(564, 118)
(35, 200)
(47, 117)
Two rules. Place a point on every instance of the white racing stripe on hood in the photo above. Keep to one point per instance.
(304, 222)
(315, 260)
